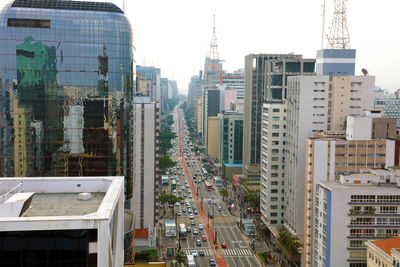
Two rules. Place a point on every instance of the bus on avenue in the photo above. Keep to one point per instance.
(208, 186)
(182, 229)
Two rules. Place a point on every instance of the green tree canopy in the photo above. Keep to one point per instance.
(165, 162)
(253, 199)
(180, 257)
(170, 198)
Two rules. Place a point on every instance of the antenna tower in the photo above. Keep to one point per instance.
(213, 44)
(339, 35)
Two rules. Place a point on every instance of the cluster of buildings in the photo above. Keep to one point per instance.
(321, 142)
(74, 103)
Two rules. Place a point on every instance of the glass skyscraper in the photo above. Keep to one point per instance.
(66, 83)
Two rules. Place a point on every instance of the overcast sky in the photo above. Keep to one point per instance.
(175, 34)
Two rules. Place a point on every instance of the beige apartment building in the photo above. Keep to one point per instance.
(383, 252)
(213, 137)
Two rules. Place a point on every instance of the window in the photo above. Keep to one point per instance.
(274, 182)
(275, 118)
(275, 110)
(275, 134)
(28, 23)
(275, 126)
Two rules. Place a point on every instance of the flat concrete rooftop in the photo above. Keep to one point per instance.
(62, 204)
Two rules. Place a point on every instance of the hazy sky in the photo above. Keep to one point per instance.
(175, 34)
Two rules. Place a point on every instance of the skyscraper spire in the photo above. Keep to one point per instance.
(213, 45)
(339, 35)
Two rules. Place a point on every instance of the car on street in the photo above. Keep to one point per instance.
(191, 216)
(189, 229)
(192, 223)
(194, 253)
(190, 195)
(223, 245)
(179, 192)
(201, 253)
(201, 227)
(219, 208)
(177, 204)
(195, 232)
(196, 212)
(198, 242)
(182, 202)
(184, 195)
(179, 213)
(215, 202)
(187, 186)
(211, 215)
(189, 210)
(183, 209)
(212, 262)
(203, 238)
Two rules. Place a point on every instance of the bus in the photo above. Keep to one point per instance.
(190, 261)
(208, 186)
(182, 229)
(173, 184)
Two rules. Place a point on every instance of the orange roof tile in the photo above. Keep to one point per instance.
(141, 233)
(387, 244)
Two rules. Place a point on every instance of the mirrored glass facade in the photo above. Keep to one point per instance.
(66, 92)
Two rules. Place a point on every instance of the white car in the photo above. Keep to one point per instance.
(201, 227)
(191, 216)
(194, 253)
(190, 195)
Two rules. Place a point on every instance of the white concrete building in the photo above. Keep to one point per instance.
(360, 207)
(317, 104)
(146, 171)
(62, 221)
(273, 143)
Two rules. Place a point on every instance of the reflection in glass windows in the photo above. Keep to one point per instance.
(66, 83)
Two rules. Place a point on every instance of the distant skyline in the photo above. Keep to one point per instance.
(175, 35)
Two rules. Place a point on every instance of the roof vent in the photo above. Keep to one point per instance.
(85, 196)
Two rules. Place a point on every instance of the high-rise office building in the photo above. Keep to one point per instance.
(153, 75)
(146, 170)
(273, 144)
(210, 108)
(266, 78)
(234, 81)
(317, 104)
(358, 208)
(231, 137)
(331, 155)
(66, 82)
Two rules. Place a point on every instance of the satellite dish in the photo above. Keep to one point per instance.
(365, 72)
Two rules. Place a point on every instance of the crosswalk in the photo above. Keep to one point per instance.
(227, 252)
(207, 252)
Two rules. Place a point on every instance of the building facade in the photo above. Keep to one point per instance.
(213, 137)
(210, 108)
(153, 75)
(317, 104)
(329, 156)
(266, 78)
(273, 143)
(348, 213)
(235, 81)
(383, 252)
(230, 138)
(66, 81)
(146, 169)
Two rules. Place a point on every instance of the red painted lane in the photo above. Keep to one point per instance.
(219, 257)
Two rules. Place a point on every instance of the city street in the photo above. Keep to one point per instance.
(221, 228)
